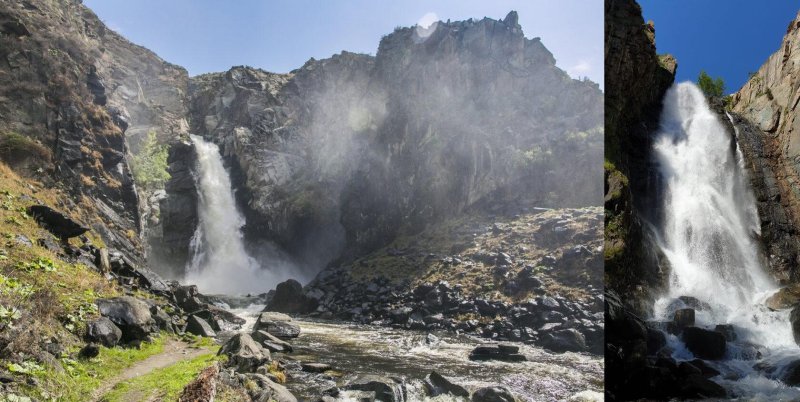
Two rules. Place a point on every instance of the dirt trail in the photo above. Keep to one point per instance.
(174, 352)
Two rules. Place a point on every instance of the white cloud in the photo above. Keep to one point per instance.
(427, 20)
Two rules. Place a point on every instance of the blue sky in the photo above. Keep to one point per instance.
(281, 35)
(726, 39)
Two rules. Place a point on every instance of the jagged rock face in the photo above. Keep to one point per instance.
(769, 141)
(438, 121)
(170, 246)
(636, 79)
(52, 94)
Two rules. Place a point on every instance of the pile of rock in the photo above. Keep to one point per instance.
(250, 356)
(553, 322)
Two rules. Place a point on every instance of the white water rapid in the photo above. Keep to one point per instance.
(220, 263)
(709, 235)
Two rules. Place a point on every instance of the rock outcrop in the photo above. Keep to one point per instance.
(348, 152)
(636, 79)
(767, 135)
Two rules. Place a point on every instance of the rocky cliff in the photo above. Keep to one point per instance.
(768, 136)
(71, 90)
(636, 80)
(346, 153)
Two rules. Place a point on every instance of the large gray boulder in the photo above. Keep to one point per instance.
(289, 298)
(104, 332)
(277, 324)
(385, 388)
(131, 315)
(245, 354)
(436, 384)
(198, 326)
(493, 394)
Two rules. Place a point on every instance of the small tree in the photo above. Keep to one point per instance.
(712, 87)
(149, 166)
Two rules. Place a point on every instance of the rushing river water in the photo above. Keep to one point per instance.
(353, 349)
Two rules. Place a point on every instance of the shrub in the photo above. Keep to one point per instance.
(149, 166)
(712, 87)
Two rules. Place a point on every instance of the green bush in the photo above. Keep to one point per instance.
(712, 87)
(149, 166)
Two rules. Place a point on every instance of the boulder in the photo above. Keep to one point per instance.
(493, 394)
(104, 332)
(271, 342)
(131, 315)
(289, 298)
(315, 367)
(385, 389)
(244, 353)
(277, 324)
(436, 384)
(784, 298)
(564, 340)
(198, 326)
(269, 390)
(704, 343)
(489, 351)
(794, 319)
(55, 222)
(727, 330)
(187, 298)
(89, 351)
(684, 317)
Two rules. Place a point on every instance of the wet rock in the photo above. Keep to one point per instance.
(490, 351)
(703, 343)
(705, 370)
(244, 353)
(198, 326)
(784, 298)
(493, 394)
(385, 389)
(55, 222)
(278, 325)
(436, 385)
(104, 332)
(684, 317)
(794, 319)
(694, 303)
(131, 315)
(565, 340)
(656, 340)
(289, 298)
(727, 330)
(698, 387)
(315, 367)
(271, 342)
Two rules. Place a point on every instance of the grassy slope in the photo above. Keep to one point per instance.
(45, 299)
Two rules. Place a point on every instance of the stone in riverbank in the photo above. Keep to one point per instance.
(198, 326)
(436, 384)
(704, 343)
(131, 315)
(244, 353)
(277, 324)
(493, 394)
(271, 342)
(385, 389)
(508, 353)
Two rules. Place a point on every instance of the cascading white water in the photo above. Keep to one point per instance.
(709, 237)
(220, 263)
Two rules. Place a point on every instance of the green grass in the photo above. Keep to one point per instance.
(166, 383)
(81, 377)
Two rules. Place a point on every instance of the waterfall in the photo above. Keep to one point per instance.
(709, 235)
(220, 263)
